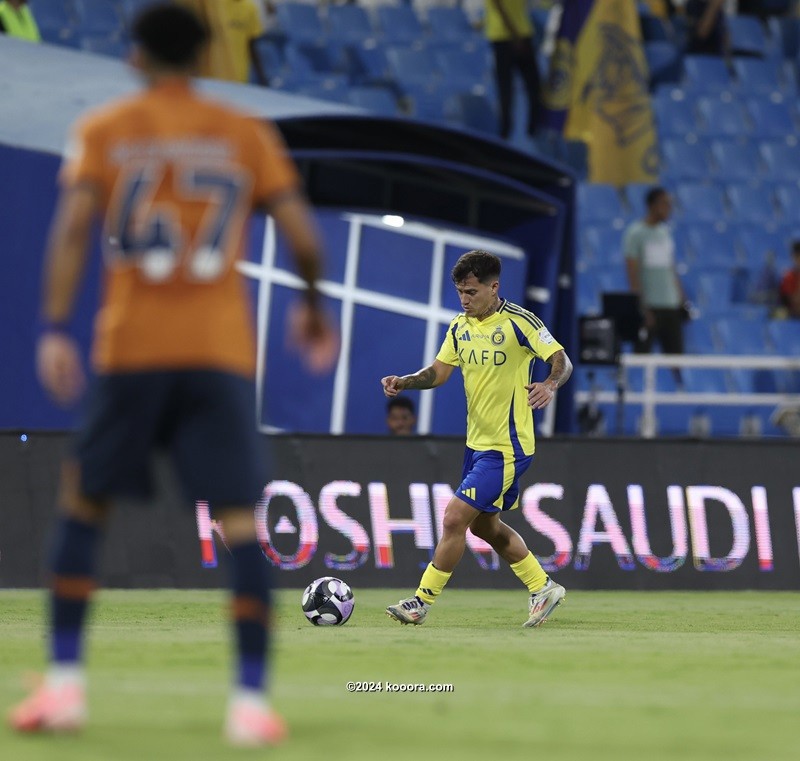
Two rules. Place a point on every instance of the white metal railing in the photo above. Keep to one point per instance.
(649, 398)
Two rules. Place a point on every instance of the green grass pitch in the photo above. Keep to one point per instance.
(612, 675)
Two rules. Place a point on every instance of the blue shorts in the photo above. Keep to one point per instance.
(205, 419)
(490, 480)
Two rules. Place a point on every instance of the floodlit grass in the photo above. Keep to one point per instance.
(613, 675)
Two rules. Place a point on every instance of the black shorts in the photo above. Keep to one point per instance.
(205, 419)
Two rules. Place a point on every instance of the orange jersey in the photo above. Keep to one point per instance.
(178, 175)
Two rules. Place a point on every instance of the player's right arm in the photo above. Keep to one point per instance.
(429, 377)
(58, 361)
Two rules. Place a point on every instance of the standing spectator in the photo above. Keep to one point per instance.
(401, 418)
(708, 34)
(173, 348)
(16, 20)
(650, 258)
(509, 29)
(790, 285)
(235, 25)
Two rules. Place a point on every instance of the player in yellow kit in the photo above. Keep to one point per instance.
(495, 343)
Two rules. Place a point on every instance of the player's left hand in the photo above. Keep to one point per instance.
(59, 367)
(540, 394)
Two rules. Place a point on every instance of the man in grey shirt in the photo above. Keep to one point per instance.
(650, 258)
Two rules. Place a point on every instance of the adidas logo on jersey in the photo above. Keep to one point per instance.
(464, 336)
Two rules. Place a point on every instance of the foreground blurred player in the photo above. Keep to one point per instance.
(495, 343)
(174, 177)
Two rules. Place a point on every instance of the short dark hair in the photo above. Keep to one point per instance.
(482, 264)
(654, 194)
(403, 402)
(173, 36)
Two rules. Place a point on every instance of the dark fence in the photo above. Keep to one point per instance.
(599, 514)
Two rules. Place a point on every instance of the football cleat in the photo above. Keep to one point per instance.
(252, 726)
(410, 611)
(51, 709)
(544, 602)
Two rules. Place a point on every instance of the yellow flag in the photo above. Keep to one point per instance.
(598, 90)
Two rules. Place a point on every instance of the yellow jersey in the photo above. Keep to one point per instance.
(496, 357)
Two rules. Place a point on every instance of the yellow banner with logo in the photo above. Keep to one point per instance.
(598, 90)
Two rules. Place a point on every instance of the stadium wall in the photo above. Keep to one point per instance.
(599, 514)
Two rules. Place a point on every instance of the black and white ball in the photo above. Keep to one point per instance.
(328, 602)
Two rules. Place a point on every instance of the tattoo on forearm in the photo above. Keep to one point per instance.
(425, 378)
(560, 368)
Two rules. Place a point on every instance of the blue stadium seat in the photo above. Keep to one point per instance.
(704, 380)
(735, 161)
(674, 118)
(758, 75)
(713, 290)
(368, 65)
(782, 161)
(754, 242)
(300, 22)
(787, 31)
(450, 24)
(473, 111)
(706, 73)
(349, 23)
(599, 203)
(742, 336)
(749, 380)
(412, 69)
(770, 119)
(131, 8)
(700, 203)
(270, 56)
(399, 25)
(56, 20)
(378, 100)
(746, 36)
(751, 203)
(788, 197)
(664, 62)
(654, 29)
(612, 278)
(785, 336)
(99, 18)
(721, 117)
(587, 293)
(427, 100)
(635, 195)
(710, 246)
(466, 71)
(112, 47)
(682, 161)
(605, 243)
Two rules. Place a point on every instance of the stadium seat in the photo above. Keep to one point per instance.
(757, 75)
(720, 117)
(788, 197)
(663, 62)
(735, 161)
(700, 203)
(746, 35)
(599, 203)
(751, 203)
(710, 246)
(300, 22)
(754, 242)
(107, 46)
(612, 278)
(706, 73)
(587, 293)
(349, 23)
(270, 56)
(329, 88)
(473, 111)
(750, 380)
(674, 118)
(412, 69)
(682, 161)
(635, 194)
(785, 336)
(99, 18)
(654, 29)
(399, 25)
(782, 161)
(378, 100)
(130, 8)
(604, 243)
(787, 31)
(56, 21)
(368, 65)
(465, 71)
(704, 380)
(450, 24)
(713, 290)
(741, 336)
(770, 119)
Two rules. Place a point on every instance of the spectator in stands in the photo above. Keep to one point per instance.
(790, 285)
(401, 417)
(650, 258)
(16, 20)
(508, 27)
(235, 25)
(708, 33)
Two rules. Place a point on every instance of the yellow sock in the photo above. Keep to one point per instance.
(432, 583)
(530, 573)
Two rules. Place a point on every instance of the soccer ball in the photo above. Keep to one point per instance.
(328, 602)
